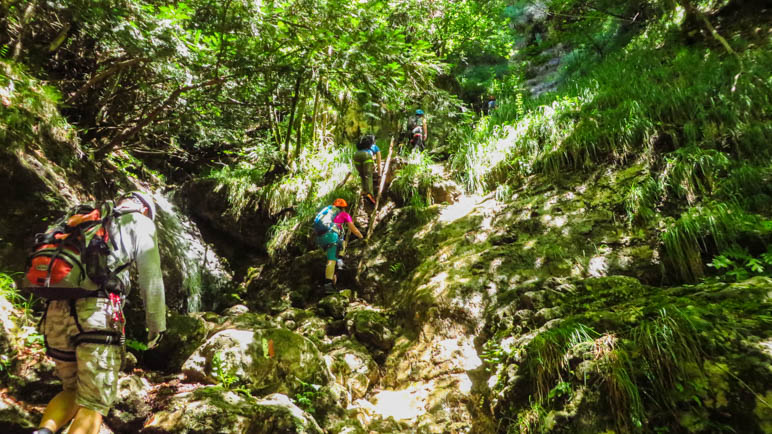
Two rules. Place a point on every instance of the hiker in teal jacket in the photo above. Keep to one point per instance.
(363, 161)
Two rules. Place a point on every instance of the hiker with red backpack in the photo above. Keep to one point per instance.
(365, 165)
(328, 226)
(417, 130)
(78, 266)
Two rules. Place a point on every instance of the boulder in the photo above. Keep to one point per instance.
(276, 413)
(371, 328)
(264, 360)
(132, 406)
(205, 410)
(184, 334)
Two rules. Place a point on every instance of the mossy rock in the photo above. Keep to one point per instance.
(184, 334)
(371, 328)
(276, 413)
(207, 410)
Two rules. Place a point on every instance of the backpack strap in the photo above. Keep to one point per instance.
(102, 337)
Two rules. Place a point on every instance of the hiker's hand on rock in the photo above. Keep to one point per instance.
(153, 338)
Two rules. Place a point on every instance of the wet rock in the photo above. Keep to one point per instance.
(249, 320)
(129, 362)
(235, 310)
(444, 191)
(538, 299)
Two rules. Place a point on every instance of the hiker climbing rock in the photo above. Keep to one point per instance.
(365, 165)
(83, 323)
(328, 226)
(416, 129)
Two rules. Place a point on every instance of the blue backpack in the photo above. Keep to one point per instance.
(323, 222)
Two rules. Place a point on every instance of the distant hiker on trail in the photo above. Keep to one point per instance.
(328, 226)
(363, 161)
(416, 129)
(83, 323)
(491, 104)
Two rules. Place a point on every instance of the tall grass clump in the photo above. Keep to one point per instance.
(242, 181)
(611, 113)
(669, 348)
(28, 111)
(412, 183)
(704, 229)
(547, 354)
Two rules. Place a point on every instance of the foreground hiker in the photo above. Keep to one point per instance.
(328, 226)
(84, 332)
(365, 165)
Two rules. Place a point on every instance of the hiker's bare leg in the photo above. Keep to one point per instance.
(59, 411)
(86, 422)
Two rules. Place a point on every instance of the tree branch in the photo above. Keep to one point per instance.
(101, 76)
(101, 152)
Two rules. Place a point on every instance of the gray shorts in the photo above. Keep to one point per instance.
(93, 374)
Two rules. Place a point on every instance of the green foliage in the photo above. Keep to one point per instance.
(26, 303)
(529, 421)
(669, 348)
(623, 395)
(737, 264)
(136, 345)
(28, 113)
(225, 375)
(706, 228)
(306, 396)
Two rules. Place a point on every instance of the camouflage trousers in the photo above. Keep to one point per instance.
(88, 369)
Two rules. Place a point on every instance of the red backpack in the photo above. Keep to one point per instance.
(69, 260)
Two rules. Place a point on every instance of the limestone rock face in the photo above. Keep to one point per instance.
(264, 360)
(353, 367)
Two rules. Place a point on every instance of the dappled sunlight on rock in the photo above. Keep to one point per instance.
(598, 266)
(464, 206)
(403, 404)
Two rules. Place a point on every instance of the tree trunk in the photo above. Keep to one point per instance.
(315, 112)
(299, 135)
(25, 19)
(295, 97)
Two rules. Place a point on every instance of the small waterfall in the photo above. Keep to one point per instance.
(195, 277)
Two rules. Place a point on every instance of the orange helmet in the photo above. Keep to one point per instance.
(340, 203)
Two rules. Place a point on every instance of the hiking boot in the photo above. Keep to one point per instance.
(329, 288)
(43, 431)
